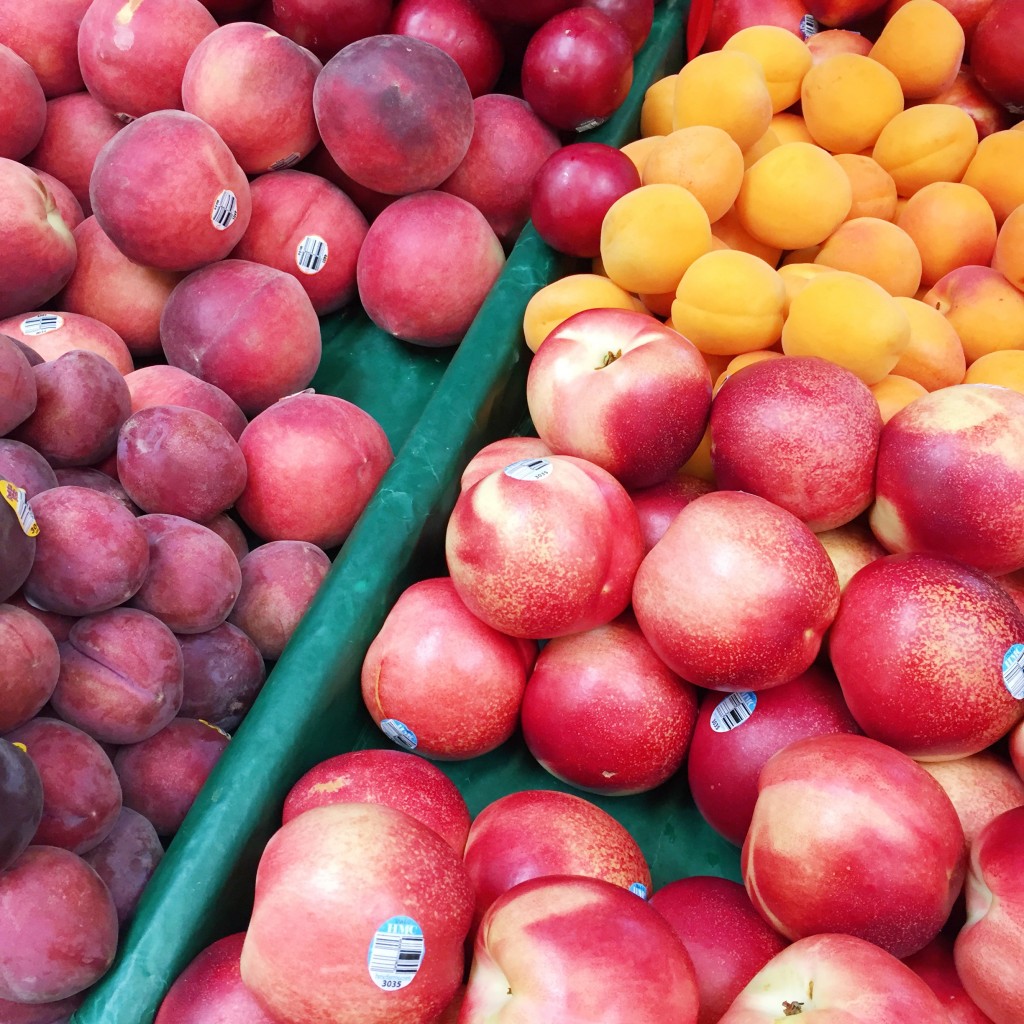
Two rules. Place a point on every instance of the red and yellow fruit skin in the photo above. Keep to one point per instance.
(950, 478)
(918, 647)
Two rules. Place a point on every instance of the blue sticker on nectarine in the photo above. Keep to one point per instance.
(733, 710)
(529, 469)
(639, 889)
(398, 732)
(1013, 670)
(395, 953)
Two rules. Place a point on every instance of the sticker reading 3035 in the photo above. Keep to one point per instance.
(1013, 670)
(225, 210)
(398, 732)
(733, 711)
(529, 469)
(395, 953)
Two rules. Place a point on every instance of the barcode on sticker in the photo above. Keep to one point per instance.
(808, 26)
(529, 469)
(398, 732)
(311, 254)
(733, 711)
(1013, 671)
(639, 889)
(41, 323)
(225, 210)
(285, 161)
(592, 123)
(395, 953)
(16, 497)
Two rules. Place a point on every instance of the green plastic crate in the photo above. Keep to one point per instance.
(438, 409)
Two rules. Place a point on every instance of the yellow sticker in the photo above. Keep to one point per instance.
(20, 746)
(15, 497)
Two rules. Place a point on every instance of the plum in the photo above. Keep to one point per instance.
(81, 791)
(91, 553)
(229, 531)
(24, 467)
(21, 796)
(31, 663)
(58, 1012)
(58, 625)
(95, 480)
(17, 385)
(162, 384)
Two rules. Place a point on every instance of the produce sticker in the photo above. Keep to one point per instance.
(733, 711)
(1013, 670)
(395, 953)
(398, 732)
(529, 469)
(16, 498)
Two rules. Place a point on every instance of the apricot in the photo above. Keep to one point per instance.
(795, 276)
(726, 89)
(995, 171)
(699, 463)
(926, 143)
(893, 392)
(874, 191)
(847, 100)
(986, 311)
(1008, 255)
(733, 235)
(922, 44)
(744, 359)
(790, 127)
(952, 225)
(876, 249)
(729, 302)
(783, 57)
(702, 159)
(934, 358)
(651, 235)
(794, 196)
(565, 297)
(766, 143)
(640, 149)
(850, 321)
(657, 108)
(836, 40)
(1005, 369)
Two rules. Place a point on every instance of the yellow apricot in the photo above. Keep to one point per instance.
(767, 142)
(699, 463)
(734, 235)
(874, 191)
(783, 57)
(1004, 368)
(639, 150)
(997, 171)
(1008, 256)
(790, 127)
(656, 111)
(878, 250)
(796, 275)
(744, 359)
(934, 358)
(893, 392)
(922, 44)
(565, 297)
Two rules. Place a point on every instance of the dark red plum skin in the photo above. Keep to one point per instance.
(31, 663)
(21, 795)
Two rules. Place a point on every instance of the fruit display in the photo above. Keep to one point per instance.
(692, 628)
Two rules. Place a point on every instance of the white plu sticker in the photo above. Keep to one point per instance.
(16, 497)
(639, 889)
(395, 953)
(808, 26)
(529, 469)
(1013, 670)
(398, 732)
(286, 161)
(733, 711)
(592, 123)
(225, 210)
(41, 323)
(311, 254)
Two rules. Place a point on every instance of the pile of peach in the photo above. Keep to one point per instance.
(854, 200)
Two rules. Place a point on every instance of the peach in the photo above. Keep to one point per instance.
(965, 92)
(651, 235)
(589, 376)
(934, 357)
(222, 321)
(950, 476)
(120, 676)
(17, 383)
(876, 249)
(133, 55)
(510, 144)
(927, 143)
(933, 683)
(179, 461)
(499, 454)
(922, 44)
(850, 547)
(37, 249)
(82, 403)
(23, 109)
(161, 384)
(894, 392)
(784, 58)
(161, 776)
(556, 302)
(295, 452)
(993, 56)
(874, 191)
(326, 26)
(522, 563)
(168, 192)
(657, 506)
(984, 309)
(109, 287)
(307, 227)
(255, 88)
(125, 860)
(193, 576)
(714, 628)
(952, 225)
(847, 100)
(67, 205)
(91, 554)
(801, 432)
(770, 204)
(658, 106)
(394, 149)
(1005, 368)
(731, 16)
(223, 673)
(1008, 255)
(278, 583)
(45, 957)
(826, 43)
(24, 467)
(77, 128)
(53, 334)
(897, 835)
(45, 35)
(32, 663)
(934, 965)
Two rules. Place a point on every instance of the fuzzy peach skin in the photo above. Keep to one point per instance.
(545, 548)
(989, 949)
(51, 334)
(737, 594)
(950, 477)
(851, 836)
(835, 979)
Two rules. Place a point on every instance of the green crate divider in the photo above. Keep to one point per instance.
(438, 409)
